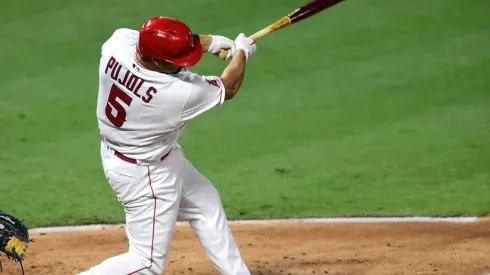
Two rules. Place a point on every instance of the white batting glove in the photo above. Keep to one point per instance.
(222, 43)
(246, 44)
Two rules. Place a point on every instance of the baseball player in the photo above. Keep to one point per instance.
(146, 97)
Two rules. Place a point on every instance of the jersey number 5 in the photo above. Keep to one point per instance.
(112, 104)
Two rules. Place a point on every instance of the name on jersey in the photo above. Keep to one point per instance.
(129, 80)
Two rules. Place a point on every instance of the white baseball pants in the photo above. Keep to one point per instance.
(153, 196)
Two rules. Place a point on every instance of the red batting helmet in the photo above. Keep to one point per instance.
(170, 40)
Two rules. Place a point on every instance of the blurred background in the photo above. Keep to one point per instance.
(371, 108)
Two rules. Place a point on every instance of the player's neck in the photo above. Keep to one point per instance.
(152, 67)
(145, 64)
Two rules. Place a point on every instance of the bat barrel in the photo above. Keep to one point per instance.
(303, 12)
(312, 8)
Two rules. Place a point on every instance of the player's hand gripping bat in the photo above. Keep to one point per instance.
(297, 15)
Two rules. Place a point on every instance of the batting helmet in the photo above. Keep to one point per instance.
(170, 40)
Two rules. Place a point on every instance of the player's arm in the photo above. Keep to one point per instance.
(206, 41)
(207, 92)
(234, 73)
(215, 43)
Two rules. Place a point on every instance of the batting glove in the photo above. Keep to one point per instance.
(222, 43)
(246, 44)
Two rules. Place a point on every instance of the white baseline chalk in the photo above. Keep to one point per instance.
(278, 221)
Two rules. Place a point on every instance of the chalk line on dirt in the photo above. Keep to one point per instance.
(41, 230)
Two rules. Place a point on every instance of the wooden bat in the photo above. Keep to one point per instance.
(297, 15)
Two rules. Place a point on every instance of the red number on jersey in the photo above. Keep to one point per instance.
(112, 104)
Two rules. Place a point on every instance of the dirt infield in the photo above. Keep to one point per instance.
(374, 249)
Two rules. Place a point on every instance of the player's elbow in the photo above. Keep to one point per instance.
(232, 83)
(230, 93)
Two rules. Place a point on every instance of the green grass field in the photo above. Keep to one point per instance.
(370, 108)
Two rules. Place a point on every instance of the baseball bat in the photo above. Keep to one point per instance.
(305, 11)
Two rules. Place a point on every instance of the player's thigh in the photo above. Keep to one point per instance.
(199, 196)
(128, 181)
(150, 195)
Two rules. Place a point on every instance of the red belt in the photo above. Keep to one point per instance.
(130, 160)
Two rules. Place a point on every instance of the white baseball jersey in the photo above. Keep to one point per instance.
(141, 113)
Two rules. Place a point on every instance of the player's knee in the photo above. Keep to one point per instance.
(156, 269)
(213, 213)
(152, 269)
(151, 266)
(213, 194)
